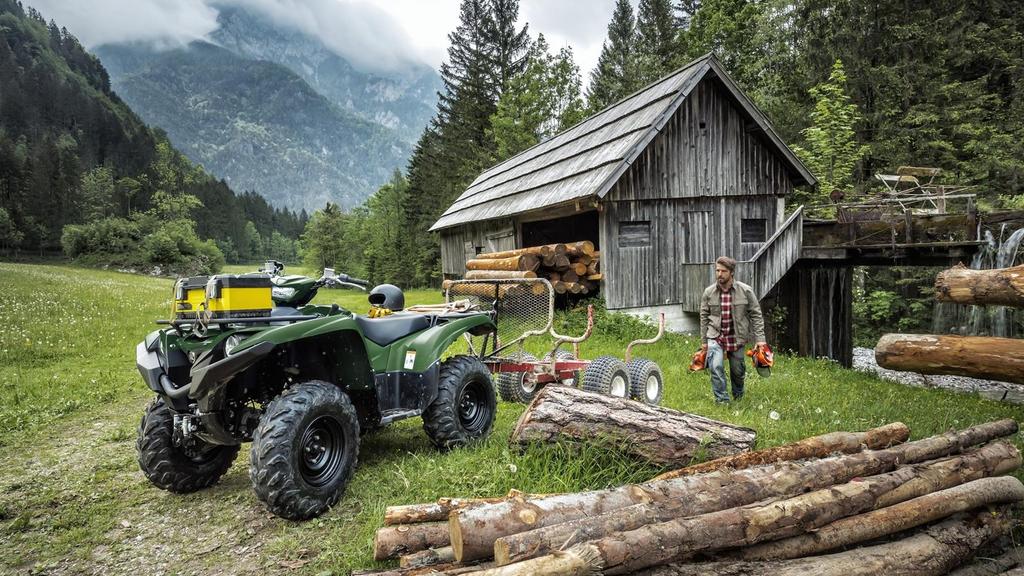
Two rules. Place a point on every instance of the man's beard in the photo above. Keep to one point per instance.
(724, 282)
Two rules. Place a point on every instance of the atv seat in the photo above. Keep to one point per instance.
(384, 331)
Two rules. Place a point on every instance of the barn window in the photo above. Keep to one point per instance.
(633, 234)
(754, 229)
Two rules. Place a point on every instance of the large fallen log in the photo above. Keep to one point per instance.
(990, 460)
(932, 551)
(475, 529)
(1001, 287)
(395, 541)
(975, 356)
(682, 538)
(889, 520)
(523, 263)
(813, 447)
(660, 435)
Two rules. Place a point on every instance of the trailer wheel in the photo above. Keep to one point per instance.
(518, 386)
(646, 382)
(607, 375)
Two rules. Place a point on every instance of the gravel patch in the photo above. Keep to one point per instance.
(864, 361)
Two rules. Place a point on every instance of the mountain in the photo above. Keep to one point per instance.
(72, 151)
(403, 100)
(255, 123)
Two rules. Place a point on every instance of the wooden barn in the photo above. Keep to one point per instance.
(663, 182)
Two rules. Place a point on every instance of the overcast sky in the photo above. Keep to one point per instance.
(372, 35)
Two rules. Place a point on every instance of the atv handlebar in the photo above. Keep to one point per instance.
(336, 278)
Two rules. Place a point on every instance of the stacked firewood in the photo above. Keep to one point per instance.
(842, 503)
(973, 356)
(571, 268)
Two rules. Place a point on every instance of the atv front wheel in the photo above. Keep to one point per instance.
(465, 405)
(607, 375)
(304, 451)
(180, 469)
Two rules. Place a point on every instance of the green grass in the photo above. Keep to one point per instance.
(72, 499)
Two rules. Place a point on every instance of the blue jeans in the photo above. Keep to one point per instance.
(716, 366)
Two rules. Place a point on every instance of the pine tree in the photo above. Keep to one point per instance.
(656, 45)
(539, 102)
(832, 150)
(616, 74)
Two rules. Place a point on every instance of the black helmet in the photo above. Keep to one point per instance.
(387, 296)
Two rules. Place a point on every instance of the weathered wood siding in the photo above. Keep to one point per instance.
(695, 184)
(461, 243)
(705, 150)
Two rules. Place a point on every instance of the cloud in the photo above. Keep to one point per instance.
(162, 22)
(357, 30)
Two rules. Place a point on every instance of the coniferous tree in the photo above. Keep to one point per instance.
(656, 39)
(617, 73)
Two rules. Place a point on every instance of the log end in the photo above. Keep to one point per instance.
(456, 536)
(502, 553)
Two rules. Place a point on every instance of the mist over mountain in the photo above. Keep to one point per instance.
(272, 109)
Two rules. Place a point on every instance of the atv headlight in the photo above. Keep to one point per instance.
(231, 342)
(281, 293)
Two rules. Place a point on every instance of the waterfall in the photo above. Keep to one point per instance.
(985, 320)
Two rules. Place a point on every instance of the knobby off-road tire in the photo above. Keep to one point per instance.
(465, 405)
(518, 386)
(646, 382)
(607, 375)
(173, 468)
(305, 449)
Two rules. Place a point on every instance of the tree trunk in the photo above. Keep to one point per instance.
(538, 251)
(660, 435)
(429, 557)
(394, 541)
(1000, 287)
(475, 529)
(499, 274)
(1002, 564)
(582, 248)
(993, 459)
(434, 511)
(523, 263)
(975, 356)
(684, 537)
(889, 520)
(932, 551)
(814, 447)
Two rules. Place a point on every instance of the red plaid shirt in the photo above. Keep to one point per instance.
(728, 338)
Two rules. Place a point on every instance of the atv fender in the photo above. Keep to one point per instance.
(418, 353)
(207, 376)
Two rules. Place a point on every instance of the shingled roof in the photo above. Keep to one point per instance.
(588, 159)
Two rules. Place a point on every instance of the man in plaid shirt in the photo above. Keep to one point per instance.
(730, 316)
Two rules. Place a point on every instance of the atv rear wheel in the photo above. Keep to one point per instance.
(465, 405)
(646, 382)
(607, 375)
(519, 386)
(173, 468)
(305, 449)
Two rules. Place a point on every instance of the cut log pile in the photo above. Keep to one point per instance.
(571, 268)
(921, 507)
(973, 356)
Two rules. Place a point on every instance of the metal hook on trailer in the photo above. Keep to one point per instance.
(559, 339)
(661, 332)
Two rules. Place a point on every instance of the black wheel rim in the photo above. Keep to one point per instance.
(322, 448)
(473, 407)
(201, 454)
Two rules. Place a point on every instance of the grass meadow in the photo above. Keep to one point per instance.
(73, 501)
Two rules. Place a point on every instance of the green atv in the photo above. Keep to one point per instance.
(301, 382)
